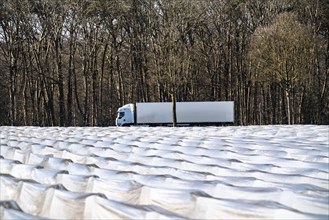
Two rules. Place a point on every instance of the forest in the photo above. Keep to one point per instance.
(75, 62)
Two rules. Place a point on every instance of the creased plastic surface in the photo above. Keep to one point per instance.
(255, 172)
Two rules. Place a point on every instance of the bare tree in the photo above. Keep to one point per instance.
(279, 53)
(75, 62)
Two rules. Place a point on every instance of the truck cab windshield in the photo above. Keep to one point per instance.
(120, 115)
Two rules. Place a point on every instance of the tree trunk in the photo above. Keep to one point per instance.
(174, 116)
(288, 106)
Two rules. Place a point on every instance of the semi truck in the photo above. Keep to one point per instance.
(187, 113)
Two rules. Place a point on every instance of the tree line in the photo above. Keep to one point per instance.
(74, 62)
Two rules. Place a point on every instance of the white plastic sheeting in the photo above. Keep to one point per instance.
(273, 172)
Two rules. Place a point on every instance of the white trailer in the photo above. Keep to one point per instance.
(187, 113)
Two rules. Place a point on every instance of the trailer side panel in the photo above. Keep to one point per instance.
(187, 112)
